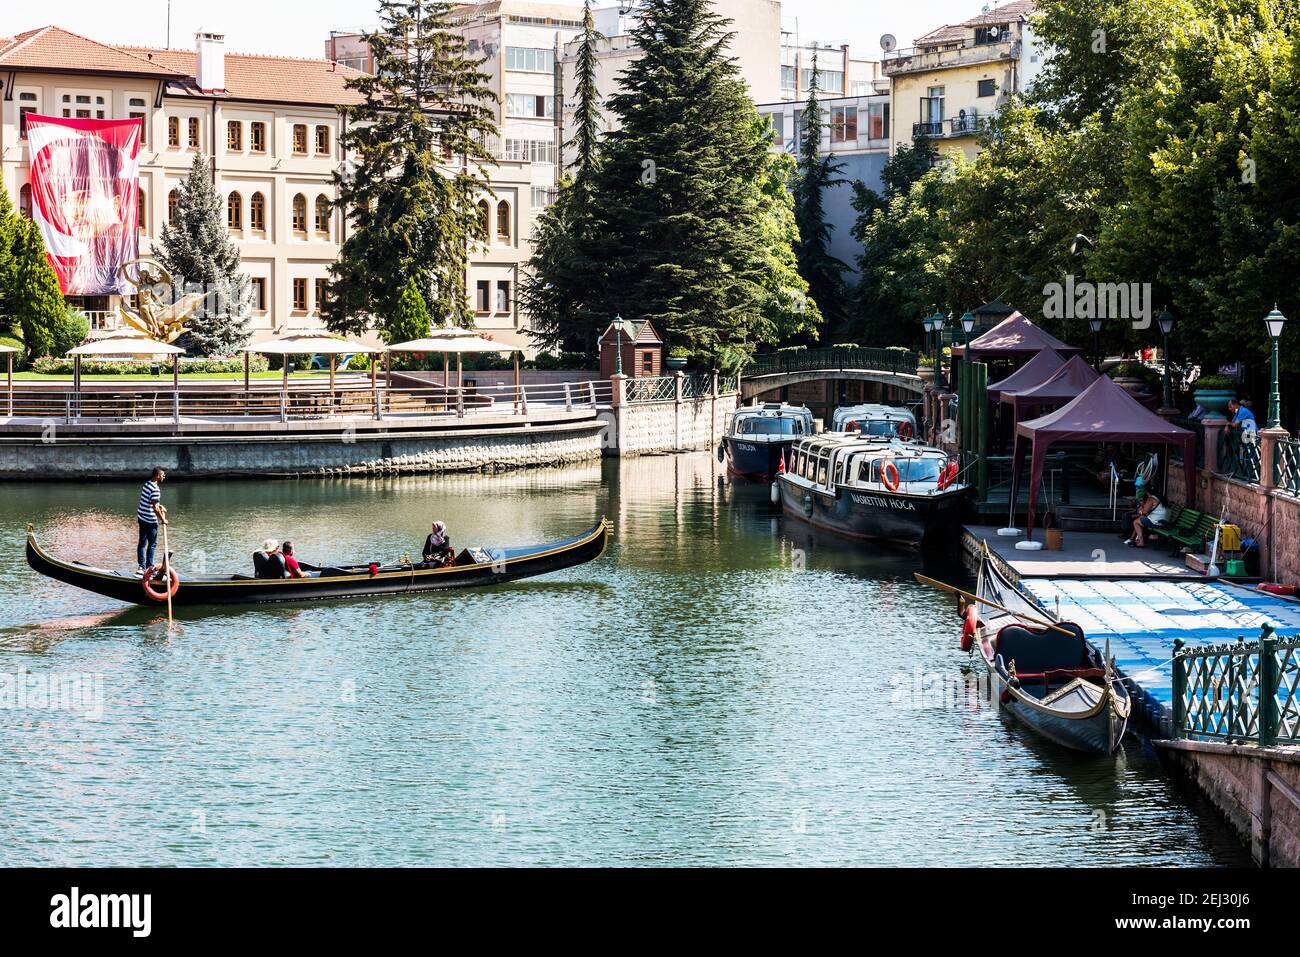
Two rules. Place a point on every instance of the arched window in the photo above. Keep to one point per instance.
(141, 210)
(300, 213)
(173, 205)
(257, 212)
(484, 217)
(235, 211)
(503, 220)
(25, 200)
(323, 208)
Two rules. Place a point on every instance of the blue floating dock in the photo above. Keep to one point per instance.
(1140, 601)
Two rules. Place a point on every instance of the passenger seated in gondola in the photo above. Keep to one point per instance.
(437, 547)
(293, 567)
(269, 562)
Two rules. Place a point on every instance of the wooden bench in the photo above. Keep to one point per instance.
(1186, 526)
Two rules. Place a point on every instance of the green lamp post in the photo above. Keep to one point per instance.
(1166, 321)
(967, 326)
(618, 325)
(936, 321)
(1274, 322)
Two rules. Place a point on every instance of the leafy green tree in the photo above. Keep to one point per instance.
(563, 288)
(420, 157)
(680, 187)
(817, 172)
(790, 309)
(196, 248)
(410, 320)
(40, 304)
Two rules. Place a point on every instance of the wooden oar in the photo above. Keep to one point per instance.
(953, 589)
(167, 573)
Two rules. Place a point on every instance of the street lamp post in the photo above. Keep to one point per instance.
(967, 326)
(936, 321)
(1095, 326)
(1166, 321)
(1274, 322)
(617, 325)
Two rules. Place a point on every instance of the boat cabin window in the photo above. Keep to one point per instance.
(877, 426)
(909, 470)
(769, 426)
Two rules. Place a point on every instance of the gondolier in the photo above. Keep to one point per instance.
(149, 512)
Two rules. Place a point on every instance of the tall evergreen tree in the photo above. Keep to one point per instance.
(196, 248)
(9, 226)
(40, 303)
(817, 173)
(410, 320)
(419, 139)
(563, 285)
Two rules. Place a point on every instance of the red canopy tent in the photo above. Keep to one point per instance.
(1014, 336)
(1068, 382)
(1034, 372)
(1103, 413)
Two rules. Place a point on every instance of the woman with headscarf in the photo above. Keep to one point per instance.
(437, 547)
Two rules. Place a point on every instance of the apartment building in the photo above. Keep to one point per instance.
(954, 78)
(271, 129)
(839, 72)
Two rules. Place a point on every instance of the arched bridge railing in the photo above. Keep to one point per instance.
(901, 361)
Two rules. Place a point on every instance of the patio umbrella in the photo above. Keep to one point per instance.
(125, 345)
(9, 357)
(458, 342)
(309, 342)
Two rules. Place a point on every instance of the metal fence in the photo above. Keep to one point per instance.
(1239, 454)
(857, 357)
(1286, 465)
(652, 389)
(1242, 692)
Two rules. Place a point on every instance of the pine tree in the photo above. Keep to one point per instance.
(817, 172)
(410, 320)
(40, 306)
(680, 188)
(563, 285)
(9, 226)
(419, 142)
(196, 248)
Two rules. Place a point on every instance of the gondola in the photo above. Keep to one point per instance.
(473, 567)
(1049, 680)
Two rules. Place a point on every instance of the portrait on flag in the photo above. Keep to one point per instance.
(85, 189)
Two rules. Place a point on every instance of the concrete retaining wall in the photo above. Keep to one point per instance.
(1250, 788)
(672, 426)
(301, 455)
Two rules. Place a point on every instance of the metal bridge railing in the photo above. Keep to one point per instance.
(1242, 692)
(652, 389)
(856, 357)
(1239, 454)
(1286, 466)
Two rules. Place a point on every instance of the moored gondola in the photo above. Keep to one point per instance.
(1045, 675)
(473, 567)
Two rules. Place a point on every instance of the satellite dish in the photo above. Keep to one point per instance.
(888, 43)
(986, 8)
(994, 32)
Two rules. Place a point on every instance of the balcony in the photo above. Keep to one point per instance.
(925, 59)
(969, 125)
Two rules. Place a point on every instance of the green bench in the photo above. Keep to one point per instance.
(1186, 526)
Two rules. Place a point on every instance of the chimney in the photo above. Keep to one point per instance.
(210, 63)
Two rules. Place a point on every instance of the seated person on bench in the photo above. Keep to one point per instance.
(437, 547)
(1150, 514)
(269, 562)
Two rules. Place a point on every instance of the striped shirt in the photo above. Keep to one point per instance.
(150, 496)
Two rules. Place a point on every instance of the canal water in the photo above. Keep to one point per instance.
(720, 688)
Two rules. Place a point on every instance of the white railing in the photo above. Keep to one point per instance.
(344, 404)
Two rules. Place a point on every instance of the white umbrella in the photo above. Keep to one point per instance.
(9, 358)
(309, 342)
(458, 341)
(125, 345)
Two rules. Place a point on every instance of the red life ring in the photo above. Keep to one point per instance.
(969, 626)
(160, 594)
(889, 468)
(905, 431)
(947, 476)
(853, 426)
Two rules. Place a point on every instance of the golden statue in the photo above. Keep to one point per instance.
(160, 321)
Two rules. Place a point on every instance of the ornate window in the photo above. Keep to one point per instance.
(503, 220)
(323, 210)
(300, 214)
(235, 136)
(322, 141)
(300, 138)
(257, 213)
(235, 211)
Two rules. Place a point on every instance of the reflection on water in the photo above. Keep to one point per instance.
(720, 688)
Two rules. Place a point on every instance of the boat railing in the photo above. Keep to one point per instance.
(346, 402)
(1243, 692)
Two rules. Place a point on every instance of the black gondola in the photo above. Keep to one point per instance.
(473, 567)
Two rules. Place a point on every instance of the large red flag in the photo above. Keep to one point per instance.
(85, 198)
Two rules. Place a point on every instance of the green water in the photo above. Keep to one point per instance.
(720, 688)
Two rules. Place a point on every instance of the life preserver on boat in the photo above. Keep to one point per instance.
(160, 594)
(853, 426)
(886, 471)
(947, 476)
(905, 431)
(970, 624)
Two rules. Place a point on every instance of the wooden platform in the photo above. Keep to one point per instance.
(1086, 555)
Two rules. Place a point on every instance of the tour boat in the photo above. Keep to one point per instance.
(875, 419)
(759, 437)
(473, 567)
(873, 487)
(1044, 673)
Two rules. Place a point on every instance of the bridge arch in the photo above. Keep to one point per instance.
(754, 386)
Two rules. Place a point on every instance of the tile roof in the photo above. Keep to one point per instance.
(1004, 13)
(271, 79)
(53, 48)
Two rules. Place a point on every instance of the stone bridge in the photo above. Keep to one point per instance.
(890, 367)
